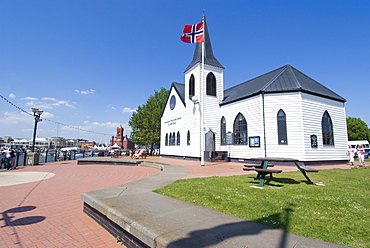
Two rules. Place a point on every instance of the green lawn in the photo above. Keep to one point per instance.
(338, 212)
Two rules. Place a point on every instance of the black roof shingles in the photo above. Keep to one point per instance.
(283, 79)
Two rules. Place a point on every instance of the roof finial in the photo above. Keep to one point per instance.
(204, 10)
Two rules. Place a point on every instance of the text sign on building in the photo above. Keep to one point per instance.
(229, 138)
(172, 121)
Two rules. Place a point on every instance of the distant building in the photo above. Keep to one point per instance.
(20, 144)
(57, 142)
(86, 144)
(122, 140)
(41, 143)
(6, 139)
(72, 142)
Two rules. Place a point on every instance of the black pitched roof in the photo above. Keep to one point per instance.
(180, 89)
(283, 79)
(209, 58)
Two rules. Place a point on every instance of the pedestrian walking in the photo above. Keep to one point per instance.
(361, 155)
(351, 154)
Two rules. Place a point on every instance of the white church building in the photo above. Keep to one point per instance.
(283, 113)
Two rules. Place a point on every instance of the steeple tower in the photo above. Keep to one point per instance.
(209, 58)
(204, 87)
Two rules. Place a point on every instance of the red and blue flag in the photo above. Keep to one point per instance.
(193, 33)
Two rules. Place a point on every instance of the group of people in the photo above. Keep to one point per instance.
(139, 153)
(7, 159)
(360, 151)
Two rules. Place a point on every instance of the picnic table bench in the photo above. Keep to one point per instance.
(260, 170)
(263, 170)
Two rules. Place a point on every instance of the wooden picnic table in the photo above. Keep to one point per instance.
(263, 170)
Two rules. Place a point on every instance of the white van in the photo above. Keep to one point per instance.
(356, 143)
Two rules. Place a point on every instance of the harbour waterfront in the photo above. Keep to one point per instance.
(27, 158)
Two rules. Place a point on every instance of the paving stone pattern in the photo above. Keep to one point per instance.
(49, 213)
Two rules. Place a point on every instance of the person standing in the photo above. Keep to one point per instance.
(12, 159)
(2, 160)
(351, 154)
(361, 155)
(7, 155)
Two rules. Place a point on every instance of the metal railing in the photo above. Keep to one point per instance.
(22, 158)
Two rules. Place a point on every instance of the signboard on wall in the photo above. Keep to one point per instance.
(313, 141)
(254, 141)
(229, 138)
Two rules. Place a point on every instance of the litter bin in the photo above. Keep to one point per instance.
(32, 158)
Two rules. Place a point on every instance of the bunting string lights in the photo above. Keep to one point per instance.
(56, 122)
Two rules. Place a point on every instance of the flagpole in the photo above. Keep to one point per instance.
(202, 143)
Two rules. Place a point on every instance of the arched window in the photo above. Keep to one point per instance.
(223, 131)
(166, 140)
(281, 128)
(327, 129)
(188, 138)
(240, 130)
(211, 84)
(173, 138)
(191, 86)
(178, 138)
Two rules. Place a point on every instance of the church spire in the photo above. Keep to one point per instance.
(209, 59)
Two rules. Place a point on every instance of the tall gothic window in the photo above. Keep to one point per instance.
(191, 86)
(223, 131)
(173, 138)
(327, 129)
(240, 130)
(211, 84)
(166, 140)
(281, 128)
(188, 138)
(178, 138)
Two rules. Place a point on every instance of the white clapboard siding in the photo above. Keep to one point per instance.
(212, 103)
(188, 117)
(290, 103)
(251, 109)
(313, 109)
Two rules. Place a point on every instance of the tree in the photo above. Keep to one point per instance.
(145, 122)
(357, 129)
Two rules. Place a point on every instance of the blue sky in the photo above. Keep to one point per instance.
(89, 63)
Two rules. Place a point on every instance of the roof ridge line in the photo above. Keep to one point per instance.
(295, 77)
(284, 68)
(253, 79)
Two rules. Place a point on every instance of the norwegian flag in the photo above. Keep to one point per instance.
(193, 33)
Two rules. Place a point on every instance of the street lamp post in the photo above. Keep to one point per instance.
(37, 114)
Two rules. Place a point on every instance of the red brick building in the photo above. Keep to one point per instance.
(122, 140)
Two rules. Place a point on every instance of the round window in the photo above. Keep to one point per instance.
(172, 102)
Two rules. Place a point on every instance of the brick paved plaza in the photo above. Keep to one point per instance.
(48, 212)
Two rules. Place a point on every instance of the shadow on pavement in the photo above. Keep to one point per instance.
(213, 236)
(10, 221)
